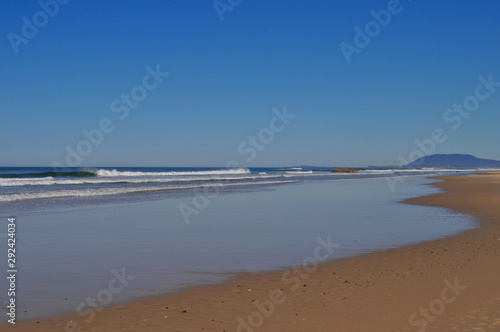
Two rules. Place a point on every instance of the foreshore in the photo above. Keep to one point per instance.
(450, 284)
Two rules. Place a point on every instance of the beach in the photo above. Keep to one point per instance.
(448, 284)
(249, 166)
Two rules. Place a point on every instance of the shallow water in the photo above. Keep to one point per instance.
(66, 255)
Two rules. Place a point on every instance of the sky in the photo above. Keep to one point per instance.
(262, 83)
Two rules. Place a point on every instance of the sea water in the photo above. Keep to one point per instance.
(75, 232)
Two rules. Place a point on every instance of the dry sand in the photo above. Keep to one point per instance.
(450, 284)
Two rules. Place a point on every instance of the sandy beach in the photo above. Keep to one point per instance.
(445, 285)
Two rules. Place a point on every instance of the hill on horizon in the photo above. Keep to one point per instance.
(453, 160)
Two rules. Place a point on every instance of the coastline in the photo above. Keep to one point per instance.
(375, 292)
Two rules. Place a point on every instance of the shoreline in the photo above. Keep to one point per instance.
(377, 291)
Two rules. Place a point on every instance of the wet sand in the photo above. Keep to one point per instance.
(446, 285)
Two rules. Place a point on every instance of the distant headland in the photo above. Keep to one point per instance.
(453, 160)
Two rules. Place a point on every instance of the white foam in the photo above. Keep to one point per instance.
(117, 191)
(299, 172)
(123, 179)
(114, 172)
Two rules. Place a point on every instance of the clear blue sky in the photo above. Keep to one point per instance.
(226, 77)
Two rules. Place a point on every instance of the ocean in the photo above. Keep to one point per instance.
(172, 228)
(37, 186)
